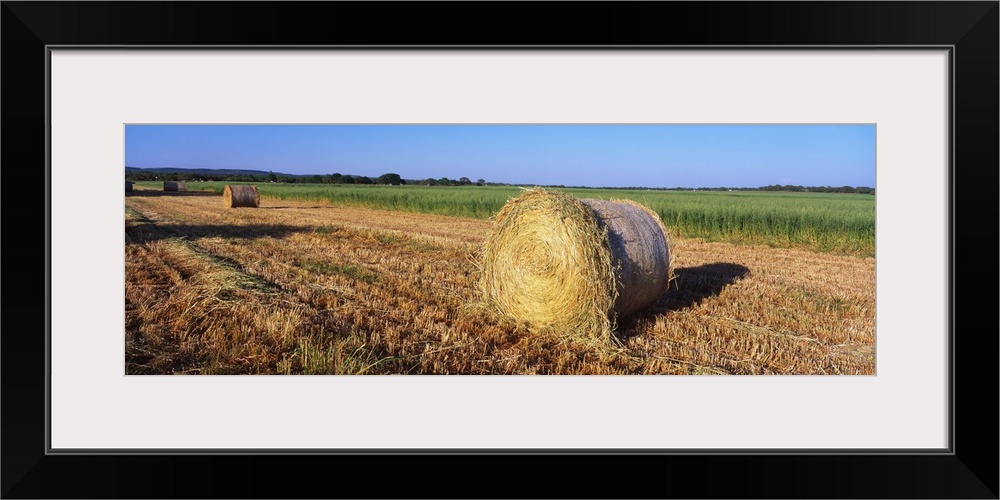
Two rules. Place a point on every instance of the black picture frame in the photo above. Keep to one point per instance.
(968, 470)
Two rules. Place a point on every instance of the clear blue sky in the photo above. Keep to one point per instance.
(573, 155)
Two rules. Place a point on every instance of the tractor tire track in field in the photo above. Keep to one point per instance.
(308, 287)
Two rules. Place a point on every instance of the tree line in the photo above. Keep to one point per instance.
(820, 189)
(391, 179)
(787, 188)
(394, 179)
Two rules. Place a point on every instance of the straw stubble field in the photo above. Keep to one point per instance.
(300, 287)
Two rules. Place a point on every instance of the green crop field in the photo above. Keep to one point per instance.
(825, 222)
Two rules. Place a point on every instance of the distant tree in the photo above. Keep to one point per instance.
(362, 180)
(271, 177)
(430, 182)
(481, 182)
(316, 179)
(465, 181)
(392, 179)
(444, 181)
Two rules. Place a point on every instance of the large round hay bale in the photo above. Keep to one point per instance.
(574, 265)
(174, 186)
(240, 196)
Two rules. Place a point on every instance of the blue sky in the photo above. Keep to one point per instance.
(573, 155)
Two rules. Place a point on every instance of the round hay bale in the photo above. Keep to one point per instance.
(174, 186)
(573, 265)
(240, 196)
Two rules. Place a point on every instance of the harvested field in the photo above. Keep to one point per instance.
(311, 288)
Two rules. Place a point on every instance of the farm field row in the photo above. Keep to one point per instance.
(304, 286)
(827, 222)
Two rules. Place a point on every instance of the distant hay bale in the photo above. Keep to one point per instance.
(240, 196)
(174, 186)
(128, 186)
(573, 265)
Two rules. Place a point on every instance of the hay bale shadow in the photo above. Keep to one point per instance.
(691, 285)
(147, 193)
(287, 207)
(147, 231)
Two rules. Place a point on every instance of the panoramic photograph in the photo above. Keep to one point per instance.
(479, 249)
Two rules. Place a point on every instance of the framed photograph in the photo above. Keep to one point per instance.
(874, 404)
